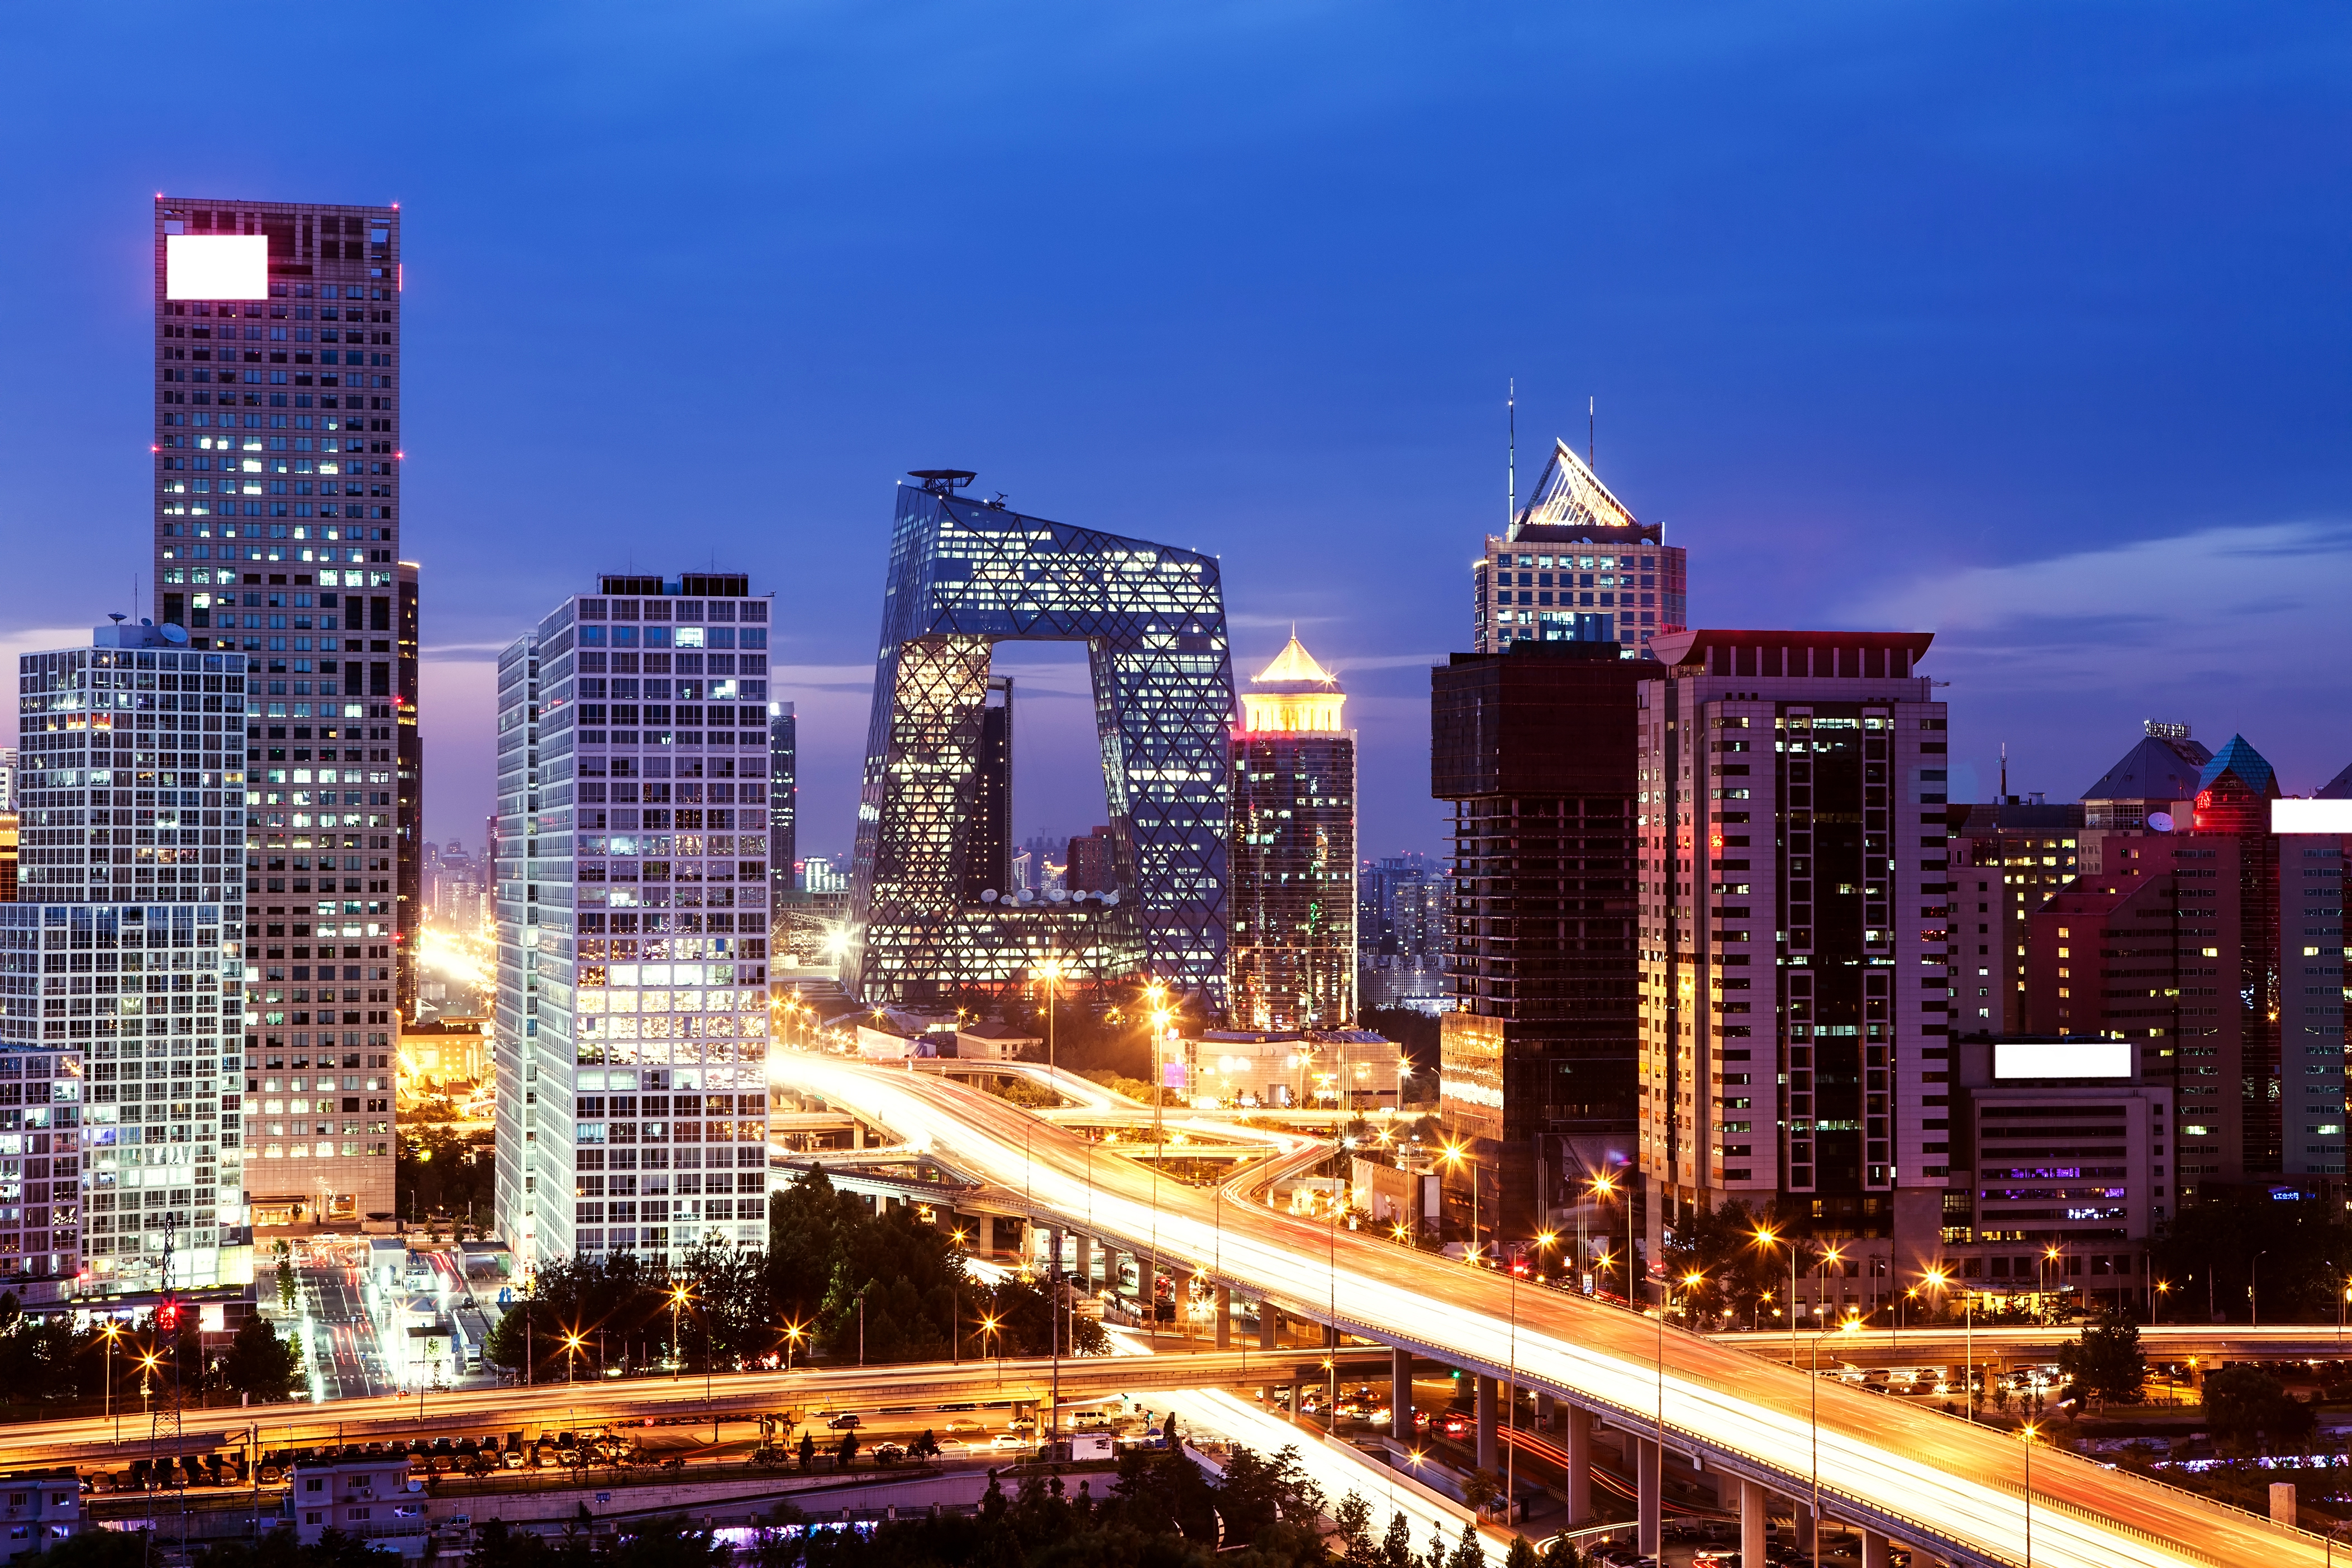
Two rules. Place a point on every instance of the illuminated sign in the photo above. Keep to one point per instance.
(2311, 816)
(2085, 1057)
(216, 266)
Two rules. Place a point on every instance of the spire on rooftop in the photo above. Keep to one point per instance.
(1294, 664)
(2239, 758)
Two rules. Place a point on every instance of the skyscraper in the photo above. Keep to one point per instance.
(1795, 930)
(1535, 749)
(1401, 933)
(123, 954)
(632, 1027)
(278, 521)
(1575, 566)
(1291, 942)
(784, 800)
(964, 576)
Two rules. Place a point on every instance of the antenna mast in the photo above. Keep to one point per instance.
(1591, 427)
(1511, 461)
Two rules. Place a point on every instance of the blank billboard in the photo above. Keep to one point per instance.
(216, 266)
(2311, 816)
(2085, 1057)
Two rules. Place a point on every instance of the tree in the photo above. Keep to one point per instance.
(2211, 1251)
(1736, 1271)
(1480, 1487)
(2244, 1403)
(260, 1363)
(1396, 1547)
(1522, 1554)
(1468, 1551)
(807, 1450)
(926, 1447)
(2105, 1362)
(1558, 1554)
(1353, 1521)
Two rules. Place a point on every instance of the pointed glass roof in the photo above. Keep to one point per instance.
(2338, 787)
(2253, 769)
(1294, 664)
(2160, 768)
(1568, 494)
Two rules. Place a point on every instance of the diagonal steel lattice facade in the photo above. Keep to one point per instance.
(965, 575)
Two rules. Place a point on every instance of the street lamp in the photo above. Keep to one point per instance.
(571, 1355)
(112, 1331)
(795, 1331)
(2026, 1435)
(1601, 1185)
(678, 1296)
(1767, 1239)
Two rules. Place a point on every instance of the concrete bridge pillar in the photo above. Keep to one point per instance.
(1547, 1411)
(1755, 1522)
(1084, 1269)
(1224, 1317)
(1649, 1510)
(1801, 1523)
(1874, 1549)
(1579, 1465)
(1400, 1395)
(1147, 1292)
(1488, 1444)
(1269, 1326)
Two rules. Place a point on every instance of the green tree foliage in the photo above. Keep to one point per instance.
(2247, 1405)
(2105, 1362)
(42, 1359)
(665, 1542)
(439, 1170)
(93, 1549)
(1024, 1319)
(619, 1294)
(2211, 1251)
(279, 1549)
(1522, 1554)
(260, 1363)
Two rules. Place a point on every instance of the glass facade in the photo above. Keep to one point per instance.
(633, 899)
(277, 518)
(124, 951)
(964, 576)
(1577, 567)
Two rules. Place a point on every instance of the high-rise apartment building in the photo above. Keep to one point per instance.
(1290, 955)
(1535, 749)
(122, 958)
(632, 1024)
(1576, 566)
(1794, 1034)
(278, 518)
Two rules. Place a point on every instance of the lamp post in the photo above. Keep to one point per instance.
(1937, 1279)
(2026, 1435)
(571, 1355)
(112, 1332)
(678, 1296)
(1767, 1239)
(2253, 1282)
(1600, 1186)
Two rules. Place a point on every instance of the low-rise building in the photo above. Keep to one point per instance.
(42, 1507)
(369, 1496)
(1310, 1069)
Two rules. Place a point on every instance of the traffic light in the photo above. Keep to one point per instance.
(168, 1314)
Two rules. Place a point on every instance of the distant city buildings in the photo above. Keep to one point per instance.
(1401, 933)
(1291, 911)
(631, 1036)
(1575, 566)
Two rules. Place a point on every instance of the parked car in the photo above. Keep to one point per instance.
(844, 1422)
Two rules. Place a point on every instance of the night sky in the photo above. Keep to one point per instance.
(2025, 324)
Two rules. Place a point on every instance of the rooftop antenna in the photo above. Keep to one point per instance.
(116, 616)
(2003, 796)
(1592, 426)
(1511, 458)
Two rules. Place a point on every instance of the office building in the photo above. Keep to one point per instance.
(7, 778)
(1291, 911)
(10, 844)
(123, 957)
(1794, 1033)
(631, 1033)
(2158, 772)
(964, 576)
(2026, 851)
(278, 519)
(1535, 749)
(1401, 933)
(2215, 943)
(783, 798)
(1574, 565)
(2060, 1170)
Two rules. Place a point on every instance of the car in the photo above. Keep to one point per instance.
(888, 1453)
(1455, 1425)
(844, 1422)
(1022, 1424)
(1713, 1558)
(1009, 1440)
(961, 1425)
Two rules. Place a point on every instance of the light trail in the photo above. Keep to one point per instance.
(1931, 1478)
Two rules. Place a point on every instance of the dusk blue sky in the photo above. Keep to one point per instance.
(2025, 324)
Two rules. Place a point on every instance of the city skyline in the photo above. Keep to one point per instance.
(1933, 397)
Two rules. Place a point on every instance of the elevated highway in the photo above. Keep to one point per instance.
(1944, 1486)
(1944, 1345)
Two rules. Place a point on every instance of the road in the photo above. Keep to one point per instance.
(735, 1395)
(1935, 1480)
(345, 1358)
(1942, 1347)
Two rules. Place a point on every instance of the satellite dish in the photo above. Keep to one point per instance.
(175, 634)
(2160, 821)
(988, 896)
(1111, 898)
(1057, 896)
(1023, 897)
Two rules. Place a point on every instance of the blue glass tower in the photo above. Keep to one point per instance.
(964, 576)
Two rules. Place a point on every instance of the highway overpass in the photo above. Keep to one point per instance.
(2015, 1345)
(1945, 1486)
